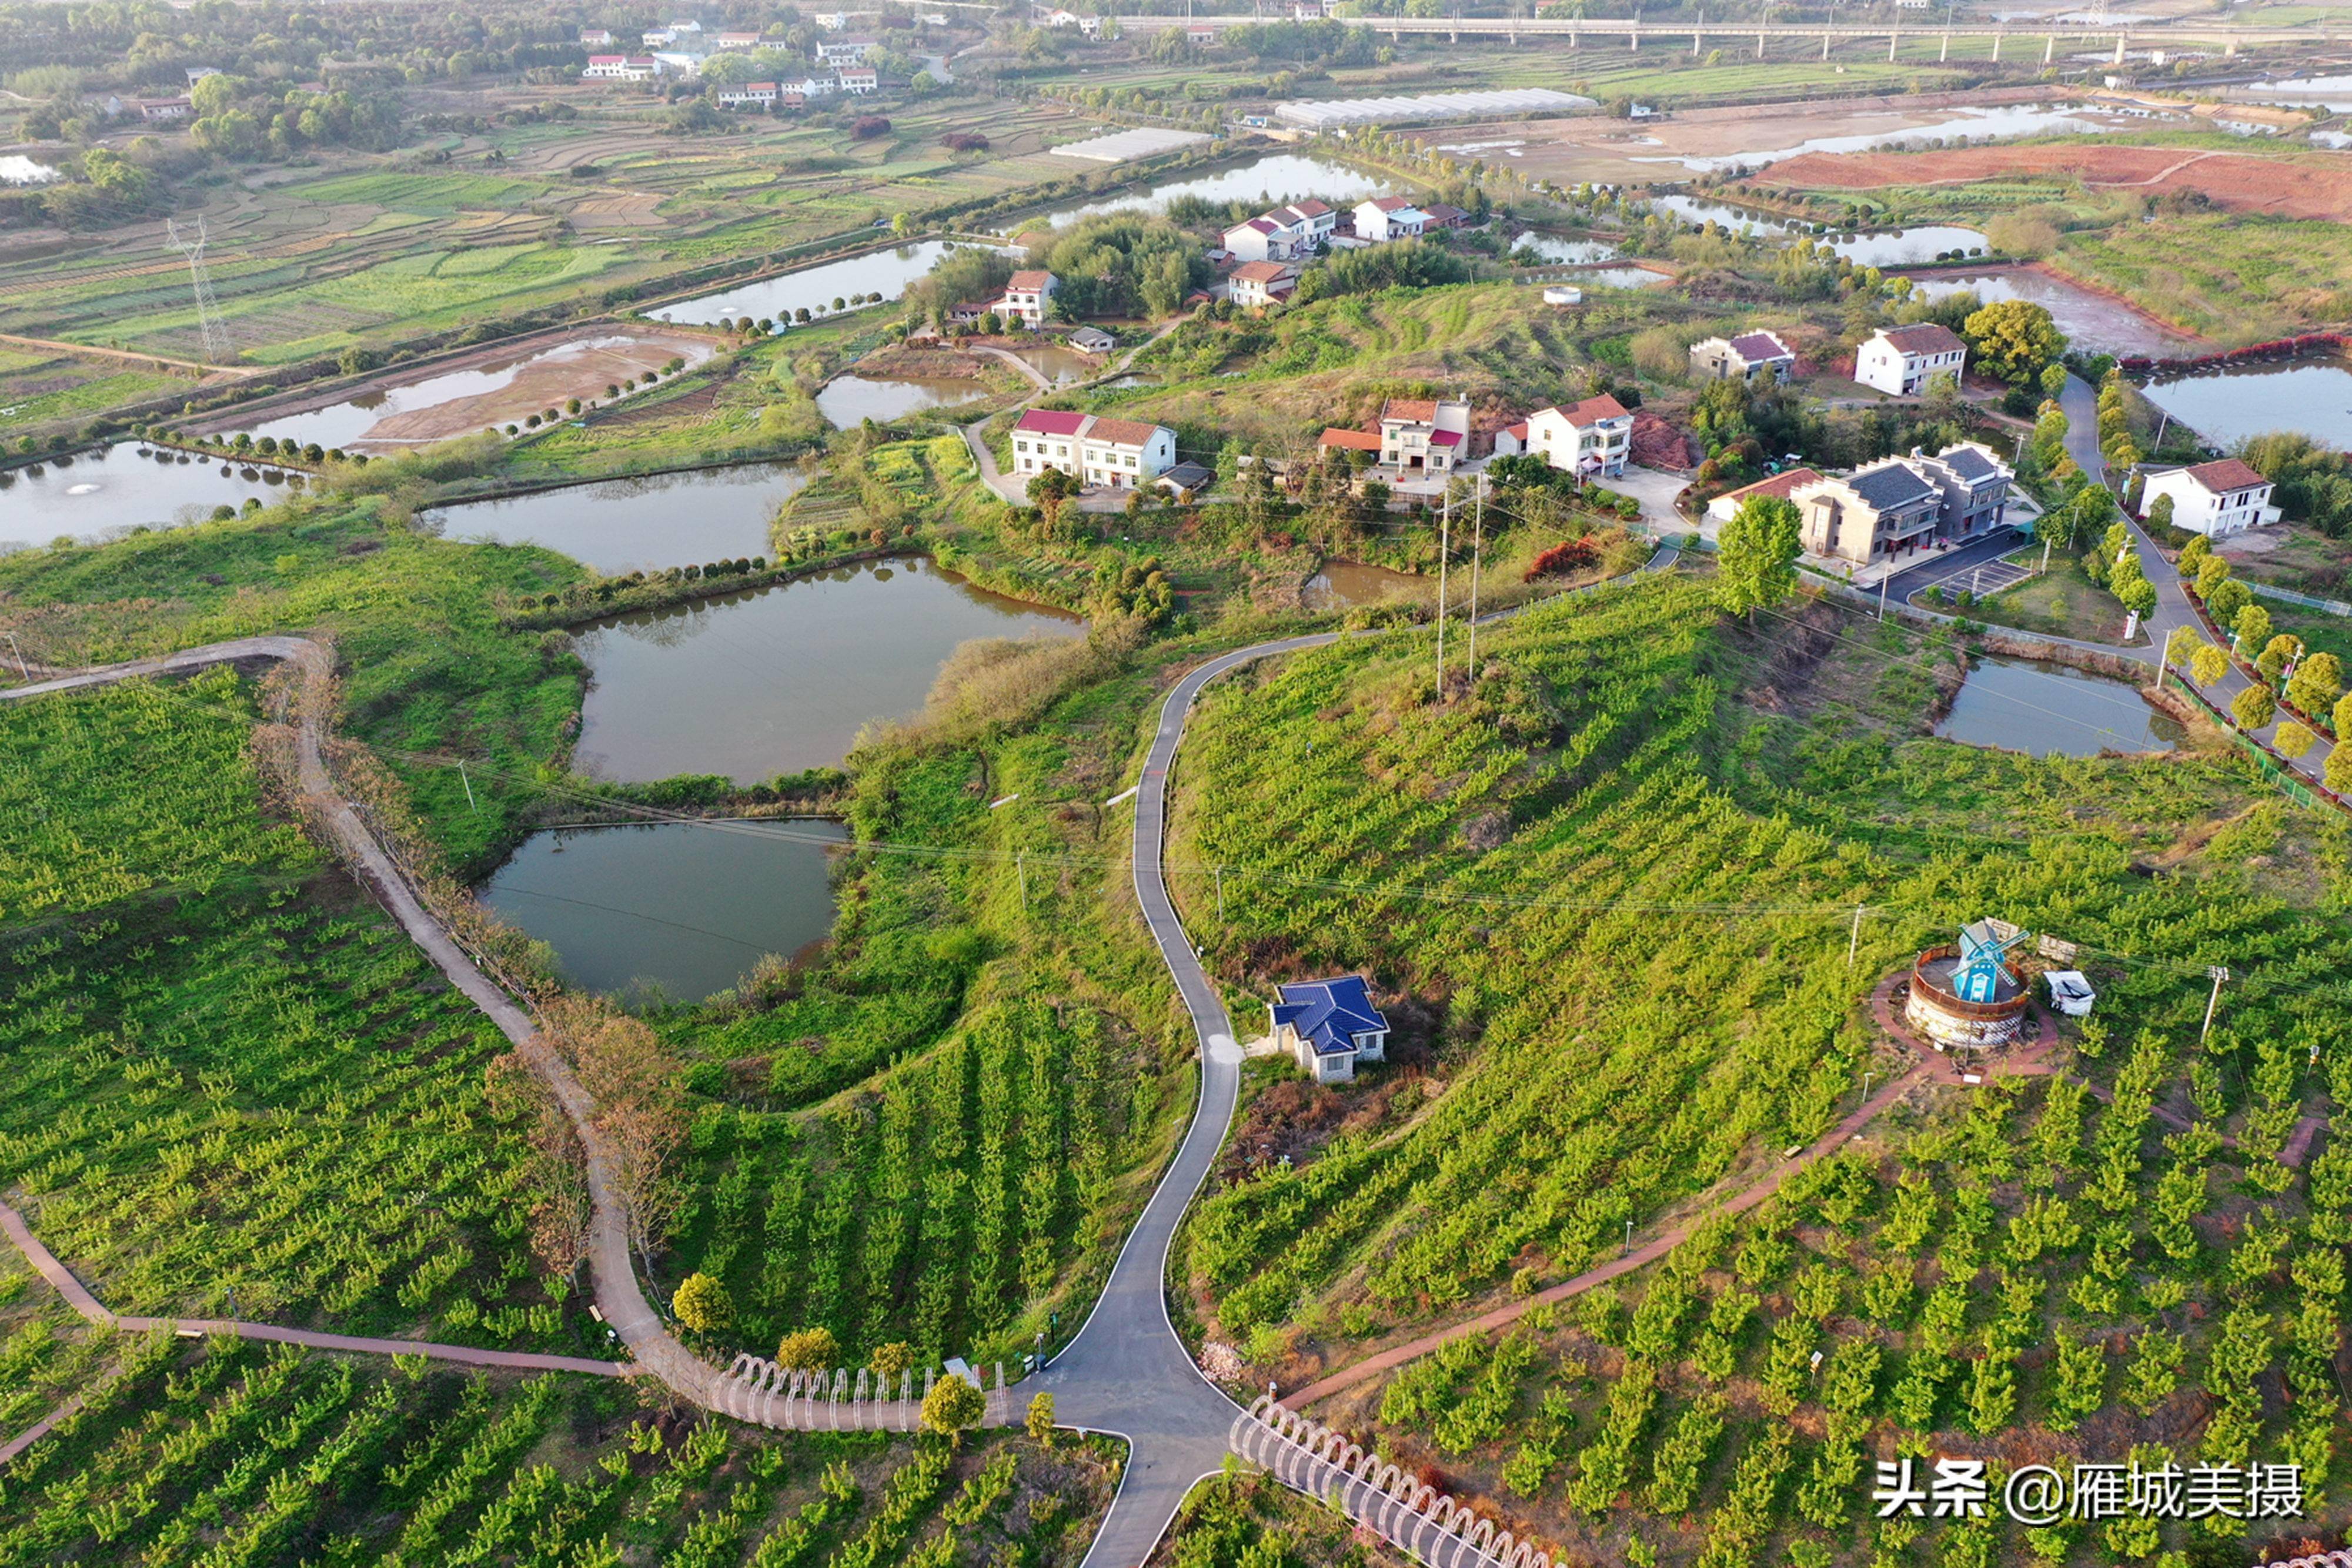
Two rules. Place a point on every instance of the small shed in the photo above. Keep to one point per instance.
(2071, 992)
(1093, 340)
(1328, 1026)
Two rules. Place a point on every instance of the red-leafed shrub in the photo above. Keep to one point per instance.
(964, 142)
(1569, 555)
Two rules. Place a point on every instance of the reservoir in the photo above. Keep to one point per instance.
(812, 289)
(686, 907)
(2050, 710)
(846, 399)
(781, 679)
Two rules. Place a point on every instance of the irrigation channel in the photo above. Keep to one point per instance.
(1126, 1373)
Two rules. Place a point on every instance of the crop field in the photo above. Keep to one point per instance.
(226, 1453)
(38, 388)
(232, 1080)
(2138, 1255)
(2234, 278)
(383, 248)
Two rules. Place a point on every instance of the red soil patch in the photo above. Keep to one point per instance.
(2285, 187)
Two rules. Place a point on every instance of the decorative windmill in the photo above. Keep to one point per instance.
(1984, 951)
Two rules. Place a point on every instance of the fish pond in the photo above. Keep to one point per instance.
(2050, 710)
(2226, 404)
(645, 524)
(97, 495)
(678, 910)
(781, 679)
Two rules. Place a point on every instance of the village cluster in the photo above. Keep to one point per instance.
(681, 48)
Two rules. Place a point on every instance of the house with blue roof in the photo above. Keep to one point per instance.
(1328, 1026)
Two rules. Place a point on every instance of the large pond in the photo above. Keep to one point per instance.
(626, 525)
(781, 679)
(680, 909)
(1055, 363)
(1265, 182)
(1965, 125)
(2094, 320)
(502, 390)
(1891, 247)
(93, 495)
(851, 399)
(2331, 93)
(2050, 710)
(2226, 405)
(812, 289)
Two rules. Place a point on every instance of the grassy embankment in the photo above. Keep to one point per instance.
(1593, 1040)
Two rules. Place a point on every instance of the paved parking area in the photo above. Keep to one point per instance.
(1982, 577)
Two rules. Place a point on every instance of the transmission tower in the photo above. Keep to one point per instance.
(2098, 12)
(208, 318)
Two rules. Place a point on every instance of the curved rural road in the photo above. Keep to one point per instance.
(617, 1294)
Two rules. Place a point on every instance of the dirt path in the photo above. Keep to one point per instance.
(1764, 1186)
(77, 1296)
(617, 1291)
(124, 356)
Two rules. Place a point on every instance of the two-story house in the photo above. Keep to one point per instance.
(1873, 513)
(1260, 283)
(735, 40)
(2216, 499)
(1976, 486)
(749, 95)
(1588, 439)
(859, 80)
(1384, 218)
(1119, 454)
(1900, 361)
(1026, 298)
(1327, 1027)
(1749, 357)
(1425, 435)
(1259, 239)
(596, 38)
(621, 68)
(843, 52)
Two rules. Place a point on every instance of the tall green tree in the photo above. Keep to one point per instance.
(1755, 557)
(2014, 339)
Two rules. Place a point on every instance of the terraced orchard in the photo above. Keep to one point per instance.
(1620, 991)
(230, 1079)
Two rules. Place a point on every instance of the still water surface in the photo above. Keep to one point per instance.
(2051, 710)
(93, 496)
(626, 525)
(2226, 405)
(2092, 320)
(1270, 180)
(1338, 583)
(813, 288)
(685, 906)
(781, 679)
(846, 401)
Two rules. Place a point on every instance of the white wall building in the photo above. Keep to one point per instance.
(2216, 499)
(1900, 360)
(621, 67)
(1385, 218)
(1119, 454)
(1587, 439)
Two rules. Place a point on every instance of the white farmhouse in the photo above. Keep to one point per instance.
(2216, 499)
(1588, 438)
(1384, 218)
(1119, 454)
(1027, 296)
(1752, 356)
(621, 68)
(1900, 360)
(1423, 436)
(846, 52)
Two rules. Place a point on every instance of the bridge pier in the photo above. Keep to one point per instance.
(2230, 50)
(1634, 39)
(2049, 47)
(2120, 47)
(1825, 46)
(1695, 43)
(1945, 52)
(1892, 39)
(1996, 49)
(1760, 43)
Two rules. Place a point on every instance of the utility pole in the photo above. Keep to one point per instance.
(1477, 544)
(2219, 974)
(1220, 893)
(21, 670)
(1853, 940)
(468, 783)
(1444, 547)
(1882, 591)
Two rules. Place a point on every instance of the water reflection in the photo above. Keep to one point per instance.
(2092, 320)
(2226, 405)
(101, 493)
(850, 400)
(686, 907)
(625, 525)
(2050, 710)
(781, 679)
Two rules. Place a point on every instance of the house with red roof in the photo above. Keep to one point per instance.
(1588, 439)
(1260, 239)
(2215, 500)
(1775, 488)
(1260, 283)
(1751, 356)
(1027, 297)
(1114, 454)
(1423, 436)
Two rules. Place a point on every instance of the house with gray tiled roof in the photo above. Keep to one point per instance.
(1878, 511)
